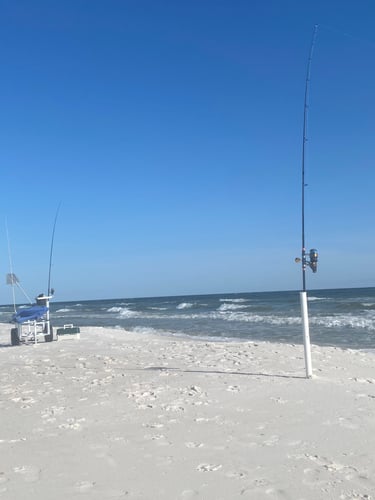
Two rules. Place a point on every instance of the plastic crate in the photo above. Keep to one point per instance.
(68, 331)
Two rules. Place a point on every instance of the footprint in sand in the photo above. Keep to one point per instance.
(236, 474)
(3, 479)
(73, 423)
(84, 486)
(209, 467)
(272, 441)
(187, 494)
(348, 471)
(194, 445)
(30, 473)
(233, 388)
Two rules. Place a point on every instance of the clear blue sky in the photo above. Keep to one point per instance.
(171, 132)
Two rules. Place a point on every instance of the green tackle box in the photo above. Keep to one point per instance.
(68, 330)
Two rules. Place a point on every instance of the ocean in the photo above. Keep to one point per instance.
(340, 317)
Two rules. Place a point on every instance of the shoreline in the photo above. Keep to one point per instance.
(117, 414)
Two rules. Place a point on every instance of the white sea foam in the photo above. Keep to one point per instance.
(185, 305)
(146, 330)
(344, 321)
(234, 312)
(158, 308)
(339, 321)
(234, 316)
(124, 312)
(257, 318)
(231, 306)
(128, 313)
(64, 310)
(234, 300)
(114, 309)
(316, 298)
(208, 338)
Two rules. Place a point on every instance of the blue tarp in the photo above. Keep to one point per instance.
(30, 314)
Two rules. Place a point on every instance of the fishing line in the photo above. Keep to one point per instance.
(349, 35)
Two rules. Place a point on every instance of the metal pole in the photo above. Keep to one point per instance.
(306, 334)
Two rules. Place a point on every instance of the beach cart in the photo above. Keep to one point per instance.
(32, 324)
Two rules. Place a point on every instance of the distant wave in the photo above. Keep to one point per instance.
(239, 312)
(257, 318)
(185, 305)
(114, 309)
(317, 298)
(64, 310)
(234, 300)
(231, 316)
(124, 312)
(344, 320)
(231, 306)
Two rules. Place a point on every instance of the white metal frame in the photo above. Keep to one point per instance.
(32, 331)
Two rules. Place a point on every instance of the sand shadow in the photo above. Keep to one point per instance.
(6, 345)
(219, 372)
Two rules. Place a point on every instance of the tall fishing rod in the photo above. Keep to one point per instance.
(49, 290)
(313, 253)
(11, 278)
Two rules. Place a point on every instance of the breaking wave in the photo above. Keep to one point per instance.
(344, 321)
(234, 300)
(185, 305)
(231, 306)
(123, 312)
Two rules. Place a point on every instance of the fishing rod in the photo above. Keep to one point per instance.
(49, 289)
(313, 254)
(11, 278)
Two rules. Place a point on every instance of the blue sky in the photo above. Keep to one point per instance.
(171, 132)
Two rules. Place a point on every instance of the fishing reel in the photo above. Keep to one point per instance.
(312, 263)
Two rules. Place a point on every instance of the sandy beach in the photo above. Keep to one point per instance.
(119, 415)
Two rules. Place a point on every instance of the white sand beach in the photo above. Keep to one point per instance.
(119, 415)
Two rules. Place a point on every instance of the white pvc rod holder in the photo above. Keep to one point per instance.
(306, 334)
